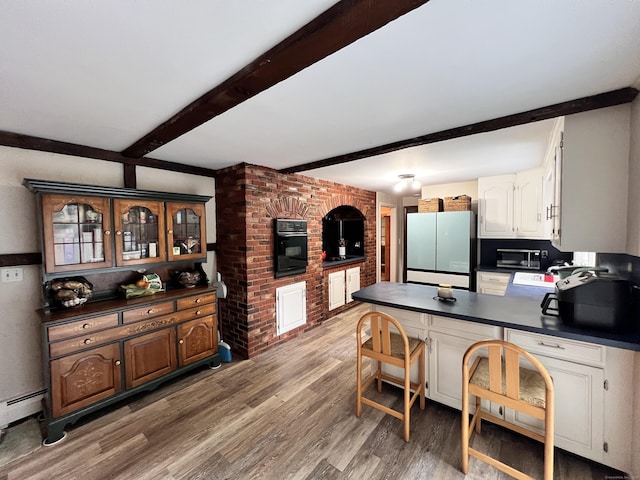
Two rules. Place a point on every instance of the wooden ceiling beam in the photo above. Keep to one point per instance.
(339, 26)
(29, 142)
(609, 99)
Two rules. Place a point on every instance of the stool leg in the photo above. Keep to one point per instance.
(407, 398)
(478, 423)
(421, 369)
(379, 374)
(359, 385)
(464, 441)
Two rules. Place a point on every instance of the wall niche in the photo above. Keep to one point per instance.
(343, 226)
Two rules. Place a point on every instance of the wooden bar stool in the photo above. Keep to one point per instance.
(500, 379)
(393, 348)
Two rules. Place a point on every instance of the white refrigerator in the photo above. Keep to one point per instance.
(440, 248)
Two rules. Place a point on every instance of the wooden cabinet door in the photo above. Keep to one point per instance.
(186, 231)
(197, 339)
(353, 282)
(495, 206)
(84, 378)
(76, 232)
(579, 408)
(445, 366)
(149, 357)
(528, 205)
(139, 231)
(336, 289)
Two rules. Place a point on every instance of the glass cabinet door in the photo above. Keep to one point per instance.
(139, 231)
(186, 229)
(76, 233)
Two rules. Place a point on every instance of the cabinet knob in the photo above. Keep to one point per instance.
(197, 312)
(118, 232)
(150, 311)
(87, 341)
(198, 300)
(117, 363)
(107, 232)
(86, 325)
(181, 342)
(170, 232)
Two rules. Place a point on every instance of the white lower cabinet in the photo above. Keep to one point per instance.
(353, 282)
(593, 383)
(492, 283)
(588, 381)
(447, 341)
(336, 289)
(341, 285)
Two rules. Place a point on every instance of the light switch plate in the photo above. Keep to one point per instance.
(11, 274)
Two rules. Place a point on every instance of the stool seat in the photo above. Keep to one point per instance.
(397, 345)
(532, 387)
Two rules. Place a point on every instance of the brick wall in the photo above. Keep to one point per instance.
(248, 197)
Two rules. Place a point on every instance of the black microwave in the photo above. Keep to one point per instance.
(518, 258)
(290, 247)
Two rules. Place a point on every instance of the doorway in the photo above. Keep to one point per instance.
(385, 244)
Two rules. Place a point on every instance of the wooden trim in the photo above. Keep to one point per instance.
(130, 179)
(13, 259)
(28, 142)
(609, 99)
(339, 26)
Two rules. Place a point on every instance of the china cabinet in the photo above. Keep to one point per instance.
(109, 347)
(88, 227)
(139, 227)
(77, 232)
(185, 231)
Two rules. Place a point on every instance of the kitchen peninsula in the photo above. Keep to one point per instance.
(518, 312)
(592, 370)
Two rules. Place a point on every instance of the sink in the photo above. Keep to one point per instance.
(535, 279)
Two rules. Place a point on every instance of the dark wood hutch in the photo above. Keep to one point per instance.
(106, 347)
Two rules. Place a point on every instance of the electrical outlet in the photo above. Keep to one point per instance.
(544, 253)
(11, 275)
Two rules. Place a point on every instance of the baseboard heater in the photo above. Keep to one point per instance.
(20, 407)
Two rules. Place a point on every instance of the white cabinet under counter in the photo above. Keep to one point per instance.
(593, 372)
(492, 283)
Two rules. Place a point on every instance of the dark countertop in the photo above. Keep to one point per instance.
(346, 261)
(521, 312)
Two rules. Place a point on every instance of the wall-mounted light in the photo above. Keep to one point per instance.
(407, 183)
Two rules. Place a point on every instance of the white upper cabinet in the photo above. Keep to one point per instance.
(495, 206)
(592, 169)
(511, 206)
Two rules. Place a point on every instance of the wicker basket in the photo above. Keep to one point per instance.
(429, 205)
(460, 203)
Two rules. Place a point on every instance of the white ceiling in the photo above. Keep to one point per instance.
(106, 72)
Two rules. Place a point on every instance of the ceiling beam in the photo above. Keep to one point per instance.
(609, 99)
(339, 26)
(18, 140)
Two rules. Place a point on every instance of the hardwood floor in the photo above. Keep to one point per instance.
(288, 413)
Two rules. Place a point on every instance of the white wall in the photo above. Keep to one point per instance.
(633, 247)
(453, 190)
(19, 324)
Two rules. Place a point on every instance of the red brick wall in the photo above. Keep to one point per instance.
(248, 197)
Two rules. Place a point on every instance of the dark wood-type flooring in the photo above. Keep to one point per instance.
(286, 414)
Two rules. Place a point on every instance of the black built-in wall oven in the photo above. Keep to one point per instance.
(290, 247)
